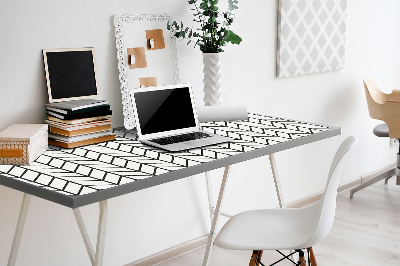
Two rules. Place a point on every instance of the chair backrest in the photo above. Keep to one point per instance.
(375, 99)
(385, 107)
(327, 203)
(379, 96)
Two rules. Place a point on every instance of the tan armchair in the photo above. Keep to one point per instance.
(385, 107)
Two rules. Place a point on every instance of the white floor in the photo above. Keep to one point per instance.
(366, 232)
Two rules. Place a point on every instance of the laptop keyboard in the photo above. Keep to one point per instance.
(180, 138)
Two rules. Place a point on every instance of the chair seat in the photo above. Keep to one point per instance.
(285, 229)
(269, 229)
(381, 130)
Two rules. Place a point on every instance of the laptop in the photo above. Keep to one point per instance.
(166, 118)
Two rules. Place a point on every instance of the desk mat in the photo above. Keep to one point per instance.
(88, 169)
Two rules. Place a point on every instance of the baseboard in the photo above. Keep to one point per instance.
(369, 176)
(200, 242)
(172, 252)
(315, 197)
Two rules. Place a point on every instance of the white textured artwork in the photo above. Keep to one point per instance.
(311, 36)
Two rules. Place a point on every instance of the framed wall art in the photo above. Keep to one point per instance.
(146, 53)
(311, 36)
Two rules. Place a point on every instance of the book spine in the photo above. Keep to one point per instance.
(81, 143)
(56, 115)
(72, 105)
(79, 131)
(61, 111)
(83, 125)
(78, 121)
(80, 111)
(80, 116)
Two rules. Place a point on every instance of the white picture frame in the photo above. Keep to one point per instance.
(163, 64)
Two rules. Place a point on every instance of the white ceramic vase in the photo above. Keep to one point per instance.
(212, 75)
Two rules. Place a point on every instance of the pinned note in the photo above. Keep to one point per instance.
(137, 58)
(148, 82)
(155, 39)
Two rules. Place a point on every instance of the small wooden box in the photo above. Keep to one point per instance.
(21, 144)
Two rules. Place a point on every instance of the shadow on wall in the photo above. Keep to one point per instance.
(194, 188)
(346, 99)
(42, 83)
(28, 113)
(108, 76)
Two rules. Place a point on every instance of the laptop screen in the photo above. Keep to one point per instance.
(164, 110)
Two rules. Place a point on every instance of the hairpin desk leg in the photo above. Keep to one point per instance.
(277, 182)
(19, 229)
(278, 187)
(95, 258)
(101, 233)
(215, 217)
(210, 194)
(85, 236)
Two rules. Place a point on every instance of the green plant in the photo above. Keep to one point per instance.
(214, 32)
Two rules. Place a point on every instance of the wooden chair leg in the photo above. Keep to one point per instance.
(313, 260)
(255, 258)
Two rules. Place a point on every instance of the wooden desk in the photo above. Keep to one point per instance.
(81, 176)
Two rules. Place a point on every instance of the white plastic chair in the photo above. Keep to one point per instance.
(287, 229)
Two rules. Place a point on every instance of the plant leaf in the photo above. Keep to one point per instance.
(233, 37)
(204, 5)
(232, 5)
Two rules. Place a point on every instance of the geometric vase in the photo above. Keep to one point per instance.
(212, 75)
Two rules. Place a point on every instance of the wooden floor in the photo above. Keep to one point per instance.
(366, 232)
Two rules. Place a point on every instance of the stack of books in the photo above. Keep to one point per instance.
(77, 123)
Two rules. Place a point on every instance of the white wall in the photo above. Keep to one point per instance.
(145, 222)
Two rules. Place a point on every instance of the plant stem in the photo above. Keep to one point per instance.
(202, 22)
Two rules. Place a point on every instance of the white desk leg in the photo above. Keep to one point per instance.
(277, 182)
(19, 229)
(95, 258)
(278, 187)
(101, 233)
(215, 217)
(210, 194)
(85, 236)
